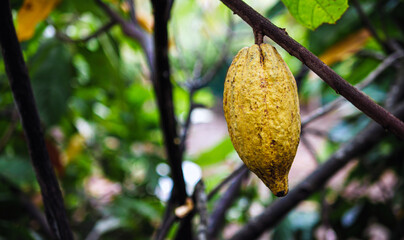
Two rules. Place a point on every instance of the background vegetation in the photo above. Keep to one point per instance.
(92, 78)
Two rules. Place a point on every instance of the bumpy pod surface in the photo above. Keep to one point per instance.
(261, 107)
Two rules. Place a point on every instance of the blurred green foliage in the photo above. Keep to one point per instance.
(101, 121)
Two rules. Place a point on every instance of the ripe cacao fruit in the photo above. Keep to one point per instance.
(261, 107)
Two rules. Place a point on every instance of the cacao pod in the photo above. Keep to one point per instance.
(261, 107)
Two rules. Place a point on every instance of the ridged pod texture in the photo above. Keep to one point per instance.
(261, 107)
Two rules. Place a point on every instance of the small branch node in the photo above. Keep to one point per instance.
(259, 36)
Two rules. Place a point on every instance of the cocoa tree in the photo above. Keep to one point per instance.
(384, 129)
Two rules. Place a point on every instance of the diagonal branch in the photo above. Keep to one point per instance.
(201, 82)
(368, 24)
(241, 168)
(163, 91)
(28, 205)
(201, 202)
(23, 95)
(396, 92)
(133, 31)
(9, 131)
(197, 81)
(341, 86)
(217, 218)
(390, 60)
(362, 143)
(97, 33)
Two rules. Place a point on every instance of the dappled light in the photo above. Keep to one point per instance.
(133, 119)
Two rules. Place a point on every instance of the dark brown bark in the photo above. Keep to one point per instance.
(360, 144)
(134, 31)
(217, 218)
(101, 30)
(24, 98)
(163, 91)
(280, 36)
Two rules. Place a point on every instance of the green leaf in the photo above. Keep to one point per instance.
(275, 10)
(10, 230)
(216, 154)
(17, 170)
(313, 13)
(51, 72)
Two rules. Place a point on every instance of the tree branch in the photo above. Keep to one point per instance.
(396, 92)
(187, 123)
(185, 229)
(133, 31)
(360, 144)
(356, 97)
(132, 10)
(9, 131)
(300, 76)
(216, 220)
(201, 202)
(197, 82)
(387, 62)
(22, 91)
(368, 24)
(97, 33)
(170, 218)
(163, 91)
(310, 148)
(165, 227)
(103, 226)
(29, 206)
(234, 174)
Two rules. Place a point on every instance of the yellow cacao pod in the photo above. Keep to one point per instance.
(261, 107)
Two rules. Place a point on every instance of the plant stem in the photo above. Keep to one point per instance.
(24, 98)
(360, 144)
(341, 86)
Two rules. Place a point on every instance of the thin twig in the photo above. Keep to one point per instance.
(341, 86)
(132, 10)
(169, 219)
(29, 206)
(165, 227)
(187, 123)
(390, 60)
(197, 82)
(216, 220)
(216, 189)
(315, 131)
(194, 85)
(371, 54)
(201, 202)
(62, 36)
(396, 92)
(9, 131)
(163, 90)
(185, 229)
(103, 226)
(304, 70)
(368, 24)
(325, 209)
(360, 144)
(309, 148)
(24, 98)
(133, 31)
(225, 49)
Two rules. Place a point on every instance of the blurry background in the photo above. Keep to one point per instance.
(101, 120)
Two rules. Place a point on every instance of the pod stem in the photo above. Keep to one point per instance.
(259, 36)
